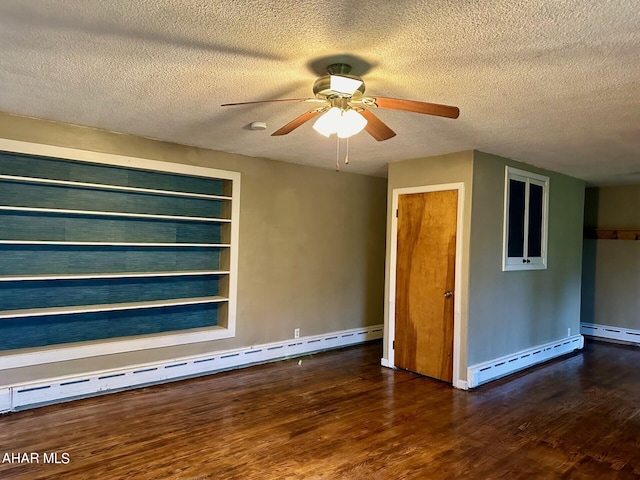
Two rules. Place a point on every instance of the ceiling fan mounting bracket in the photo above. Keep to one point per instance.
(339, 69)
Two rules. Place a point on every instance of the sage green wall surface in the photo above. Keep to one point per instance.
(503, 312)
(611, 276)
(311, 251)
(450, 168)
(515, 310)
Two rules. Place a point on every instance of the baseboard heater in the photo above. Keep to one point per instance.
(627, 335)
(485, 372)
(47, 391)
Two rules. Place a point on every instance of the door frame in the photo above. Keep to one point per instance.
(457, 305)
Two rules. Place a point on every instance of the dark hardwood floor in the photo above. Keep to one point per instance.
(341, 415)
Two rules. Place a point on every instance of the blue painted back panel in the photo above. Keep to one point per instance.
(69, 259)
(72, 228)
(54, 330)
(60, 293)
(19, 194)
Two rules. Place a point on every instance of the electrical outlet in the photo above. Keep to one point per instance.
(296, 333)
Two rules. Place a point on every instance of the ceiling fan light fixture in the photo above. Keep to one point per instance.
(344, 85)
(345, 123)
(350, 124)
(327, 123)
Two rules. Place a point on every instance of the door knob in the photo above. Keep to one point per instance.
(448, 293)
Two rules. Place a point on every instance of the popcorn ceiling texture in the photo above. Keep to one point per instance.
(553, 83)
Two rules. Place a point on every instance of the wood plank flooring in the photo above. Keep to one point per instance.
(341, 415)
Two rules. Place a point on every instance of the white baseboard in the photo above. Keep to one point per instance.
(5, 399)
(627, 335)
(53, 390)
(487, 371)
(461, 384)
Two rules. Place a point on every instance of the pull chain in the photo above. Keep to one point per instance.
(346, 157)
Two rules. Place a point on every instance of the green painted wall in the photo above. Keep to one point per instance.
(516, 310)
(611, 273)
(311, 242)
(451, 168)
(504, 312)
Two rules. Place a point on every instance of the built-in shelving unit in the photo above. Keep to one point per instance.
(132, 252)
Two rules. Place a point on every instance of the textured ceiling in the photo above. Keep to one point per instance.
(553, 83)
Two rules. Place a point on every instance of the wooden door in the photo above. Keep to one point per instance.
(425, 282)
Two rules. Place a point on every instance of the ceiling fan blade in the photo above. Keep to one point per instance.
(417, 107)
(271, 101)
(296, 122)
(376, 127)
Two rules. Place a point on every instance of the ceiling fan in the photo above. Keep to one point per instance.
(345, 111)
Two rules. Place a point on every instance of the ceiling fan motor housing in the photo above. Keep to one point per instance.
(322, 86)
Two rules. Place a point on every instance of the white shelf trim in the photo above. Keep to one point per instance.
(114, 214)
(112, 244)
(108, 307)
(88, 276)
(101, 186)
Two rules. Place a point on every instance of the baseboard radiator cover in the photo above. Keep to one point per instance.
(61, 389)
(5, 399)
(492, 370)
(620, 334)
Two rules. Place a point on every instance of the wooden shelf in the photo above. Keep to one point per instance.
(97, 213)
(109, 307)
(117, 188)
(98, 276)
(112, 244)
(612, 233)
